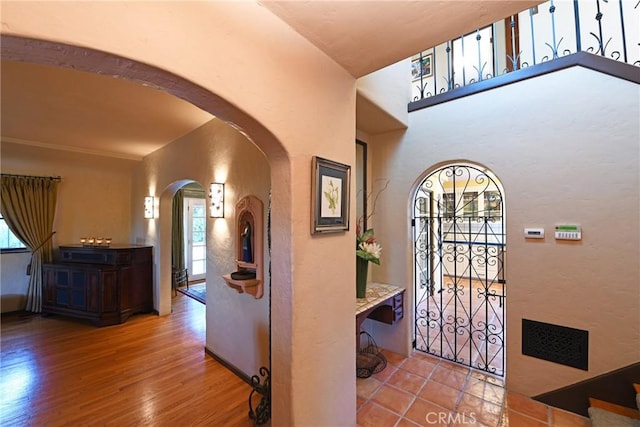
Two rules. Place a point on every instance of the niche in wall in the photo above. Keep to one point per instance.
(249, 228)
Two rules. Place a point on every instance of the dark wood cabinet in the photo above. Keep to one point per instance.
(103, 284)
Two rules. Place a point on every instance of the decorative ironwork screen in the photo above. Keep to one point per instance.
(542, 33)
(459, 249)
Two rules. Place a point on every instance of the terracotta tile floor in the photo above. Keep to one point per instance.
(422, 390)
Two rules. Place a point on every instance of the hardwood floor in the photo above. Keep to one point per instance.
(149, 371)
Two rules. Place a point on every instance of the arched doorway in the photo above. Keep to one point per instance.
(188, 241)
(189, 231)
(158, 232)
(152, 60)
(459, 276)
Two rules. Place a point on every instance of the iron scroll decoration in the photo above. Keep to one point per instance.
(459, 247)
(262, 413)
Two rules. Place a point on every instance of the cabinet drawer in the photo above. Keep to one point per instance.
(397, 300)
(123, 258)
(82, 255)
(398, 314)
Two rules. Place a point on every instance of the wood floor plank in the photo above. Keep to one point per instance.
(149, 371)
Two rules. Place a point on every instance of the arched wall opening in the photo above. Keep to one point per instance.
(88, 60)
(166, 221)
(200, 52)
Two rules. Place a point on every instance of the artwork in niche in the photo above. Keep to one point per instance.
(248, 278)
(425, 70)
(247, 255)
(330, 196)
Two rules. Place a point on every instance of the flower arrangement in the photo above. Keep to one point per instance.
(366, 246)
(367, 250)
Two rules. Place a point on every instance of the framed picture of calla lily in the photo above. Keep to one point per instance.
(330, 184)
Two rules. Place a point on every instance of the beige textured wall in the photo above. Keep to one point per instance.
(215, 152)
(218, 45)
(94, 199)
(387, 88)
(13, 281)
(565, 147)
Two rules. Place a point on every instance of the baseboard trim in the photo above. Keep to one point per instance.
(614, 387)
(230, 366)
(19, 314)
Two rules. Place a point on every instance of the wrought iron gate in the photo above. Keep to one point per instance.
(459, 248)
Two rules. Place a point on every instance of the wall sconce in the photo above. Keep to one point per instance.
(217, 200)
(148, 207)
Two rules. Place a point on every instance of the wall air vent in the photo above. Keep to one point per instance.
(559, 344)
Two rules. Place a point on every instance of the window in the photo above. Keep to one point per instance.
(8, 241)
(421, 206)
(492, 204)
(470, 204)
(448, 205)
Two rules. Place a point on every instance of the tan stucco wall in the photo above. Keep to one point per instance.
(565, 147)
(13, 281)
(94, 199)
(94, 194)
(387, 88)
(237, 325)
(284, 104)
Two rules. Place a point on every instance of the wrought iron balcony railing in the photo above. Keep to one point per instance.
(608, 28)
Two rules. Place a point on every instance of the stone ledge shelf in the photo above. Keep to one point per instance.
(376, 293)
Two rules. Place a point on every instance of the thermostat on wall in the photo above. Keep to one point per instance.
(534, 233)
(568, 232)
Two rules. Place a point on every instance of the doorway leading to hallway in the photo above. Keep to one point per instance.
(459, 275)
(188, 235)
(189, 241)
(195, 243)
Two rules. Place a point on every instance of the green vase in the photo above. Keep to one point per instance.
(362, 268)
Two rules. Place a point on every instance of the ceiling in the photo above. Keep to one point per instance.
(91, 113)
(366, 35)
(72, 110)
